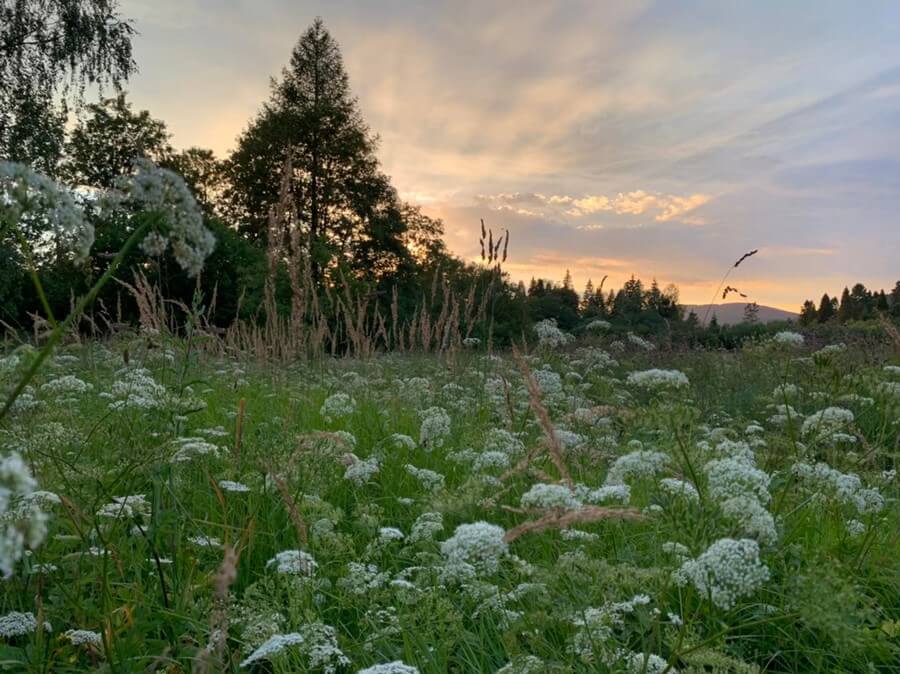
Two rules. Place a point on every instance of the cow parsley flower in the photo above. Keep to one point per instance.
(429, 479)
(550, 497)
(480, 544)
(549, 335)
(31, 200)
(788, 338)
(846, 488)
(426, 527)
(751, 518)
(826, 422)
(389, 534)
(598, 325)
(293, 562)
(728, 570)
(235, 487)
(401, 441)
(66, 385)
(680, 488)
(548, 381)
(435, 427)
(17, 624)
(190, 449)
(126, 507)
(730, 478)
(636, 465)
(165, 194)
(360, 471)
(84, 637)
(273, 646)
(395, 667)
(337, 406)
(23, 524)
(658, 379)
(615, 493)
(640, 342)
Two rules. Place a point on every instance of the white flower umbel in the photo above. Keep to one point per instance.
(480, 544)
(360, 471)
(658, 379)
(788, 338)
(728, 570)
(636, 465)
(17, 624)
(751, 518)
(273, 646)
(395, 667)
(293, 562)
(165, 194)
(84, 638)
(435, 427)
(730, 478)
(337, 406)
(429, 479)
(826, 422)
(23, 524)
(34, 204)
(680, 488)
(550, 497)
(846, 488)
(126, 507)
(426, 527)
(549, 335)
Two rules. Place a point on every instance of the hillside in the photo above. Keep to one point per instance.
(730, 313)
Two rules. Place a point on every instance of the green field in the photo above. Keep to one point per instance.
(411, 509)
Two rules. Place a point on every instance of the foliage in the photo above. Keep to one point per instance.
(49, 51)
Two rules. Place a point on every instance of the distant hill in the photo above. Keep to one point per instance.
(730, 313)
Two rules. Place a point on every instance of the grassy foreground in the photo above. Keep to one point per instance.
(692, 512)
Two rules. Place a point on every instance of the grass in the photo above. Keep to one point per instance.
(831, 601)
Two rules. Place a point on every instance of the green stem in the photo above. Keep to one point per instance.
(62, 328)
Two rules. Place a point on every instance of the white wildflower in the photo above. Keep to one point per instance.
(480, 544)
(395, 667)
(429, 479)
(658, 379)
(360, 471)
(550, 497)
(788, 338)
(84, 637)
(337, 406)
(273, 646)
(727, 571)
(636, 465)
(293, 562)
(435, 427)
(16, 624)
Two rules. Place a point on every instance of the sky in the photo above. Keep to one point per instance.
(655, 139)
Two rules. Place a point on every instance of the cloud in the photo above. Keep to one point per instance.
(566, 208)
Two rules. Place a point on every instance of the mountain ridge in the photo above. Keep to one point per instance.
(730, 313)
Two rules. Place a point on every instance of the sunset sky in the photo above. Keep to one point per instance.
(656, 139)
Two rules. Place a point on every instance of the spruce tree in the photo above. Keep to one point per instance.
(345, 206)
(826, 309)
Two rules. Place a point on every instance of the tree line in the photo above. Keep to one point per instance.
(303, 182)
(855, 304)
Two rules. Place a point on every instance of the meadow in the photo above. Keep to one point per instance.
(604, 505)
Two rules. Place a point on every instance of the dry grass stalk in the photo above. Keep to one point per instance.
(211, 659)
(291, 505)
(564, 520)
(239, 429)
(551, 440)
(890, 329)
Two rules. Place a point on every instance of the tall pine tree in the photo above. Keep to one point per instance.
(347, 210)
